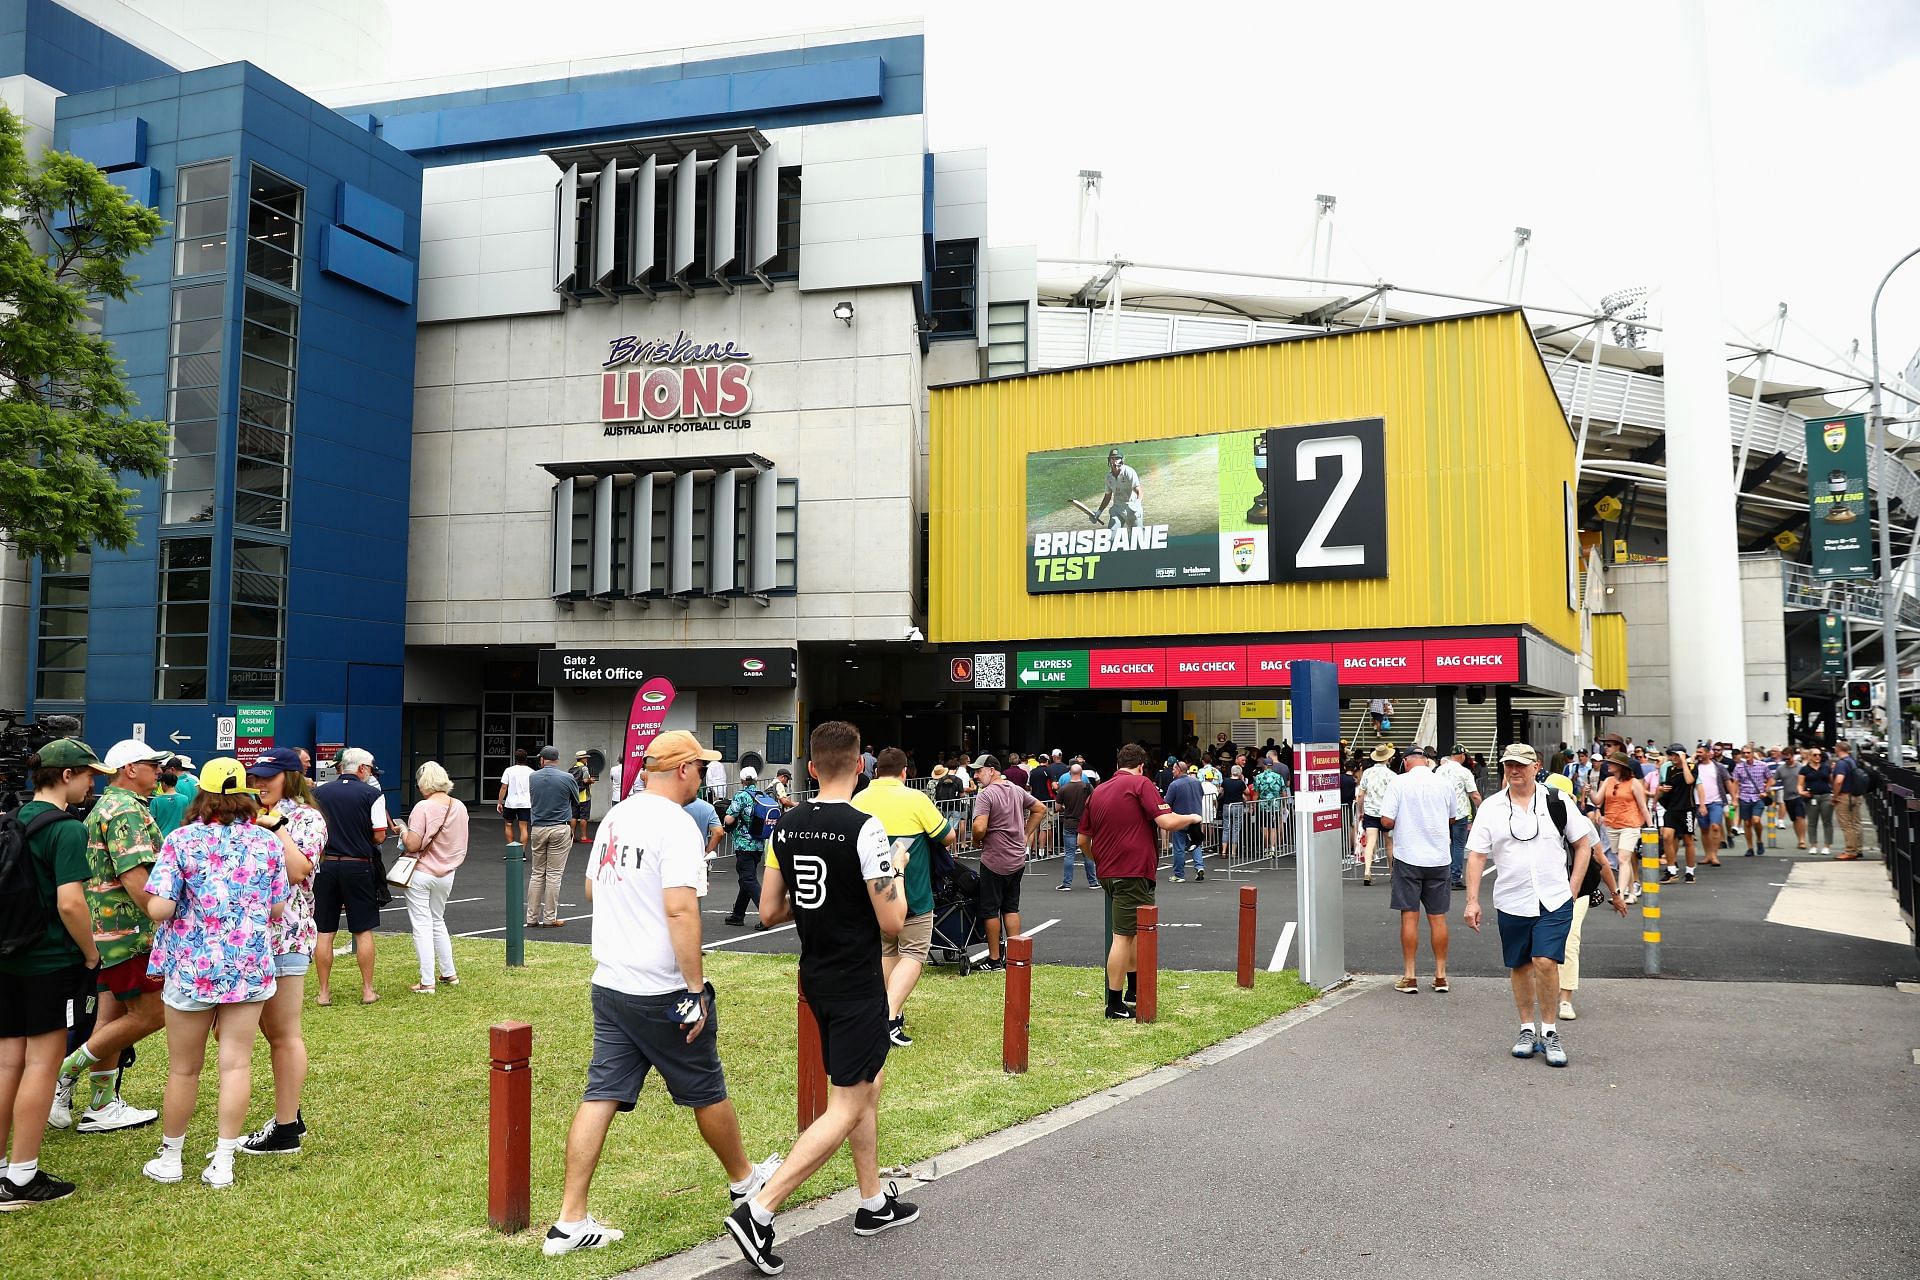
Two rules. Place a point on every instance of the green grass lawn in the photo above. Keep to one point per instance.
(392, 1181)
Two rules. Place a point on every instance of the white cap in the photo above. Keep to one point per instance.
(132, 751)
(748, 774)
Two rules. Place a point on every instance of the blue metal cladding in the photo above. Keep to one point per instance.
(781, 88)
(365, 263)
(60, 48)
(370, 217)
(143, 184)
(118, 144)
(351, 445)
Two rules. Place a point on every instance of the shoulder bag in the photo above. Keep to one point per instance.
(400, 875)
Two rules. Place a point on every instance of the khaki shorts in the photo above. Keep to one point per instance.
(914, 941)
(1128, 894)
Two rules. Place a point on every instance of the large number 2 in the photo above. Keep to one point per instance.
(1314, 552)
(809, 881)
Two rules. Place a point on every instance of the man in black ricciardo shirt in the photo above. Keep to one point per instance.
(832, 872)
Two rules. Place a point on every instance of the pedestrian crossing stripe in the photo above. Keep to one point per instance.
(1650, 936)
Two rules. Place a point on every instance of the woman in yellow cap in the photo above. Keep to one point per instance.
(219, 883)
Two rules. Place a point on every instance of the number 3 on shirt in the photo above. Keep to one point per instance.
(809, 881)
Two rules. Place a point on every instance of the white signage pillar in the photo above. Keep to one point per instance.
(1316, 824)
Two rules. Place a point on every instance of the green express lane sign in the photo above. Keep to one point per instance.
(1052, 669)
(1840, 532)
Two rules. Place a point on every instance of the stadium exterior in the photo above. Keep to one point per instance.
(494, 395)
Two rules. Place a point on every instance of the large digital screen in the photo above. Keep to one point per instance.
(1187, 511)
(1206, 510)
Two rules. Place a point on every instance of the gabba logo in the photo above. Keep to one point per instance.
(653, 697)
(752, 666)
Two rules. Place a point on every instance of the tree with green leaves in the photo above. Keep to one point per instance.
(68, 421)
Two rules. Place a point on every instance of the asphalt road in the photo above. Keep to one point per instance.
(1702, 1130)
(1715, 929)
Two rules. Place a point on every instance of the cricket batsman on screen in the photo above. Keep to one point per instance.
(1122, 498)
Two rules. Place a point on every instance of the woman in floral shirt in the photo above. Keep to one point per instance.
(286, 798)
(218, 886)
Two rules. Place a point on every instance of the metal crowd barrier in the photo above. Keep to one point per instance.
(1895, 810)
(1247, 833)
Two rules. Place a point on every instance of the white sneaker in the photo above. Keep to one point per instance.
(1566, 1010)
(165, 1166)
(761, 1174)
(588, 1235)
(61, 1117)
(218, 1173)
(117, 1114)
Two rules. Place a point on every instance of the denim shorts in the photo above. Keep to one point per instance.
(1752, 809)
(186, 1004)
(291, 965)
(1716, 813)
(1542, 937)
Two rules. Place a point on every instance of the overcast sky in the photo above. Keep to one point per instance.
(1440, 127)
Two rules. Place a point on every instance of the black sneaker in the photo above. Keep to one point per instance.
(1198, 876)
(991, 965)
(895, 1212)
(40, 1189)
(735, 920)
(1120, 1011)
(274, 1139)
(897, 1033)
(755, 1241)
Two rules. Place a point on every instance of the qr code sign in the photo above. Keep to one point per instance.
(989, 670)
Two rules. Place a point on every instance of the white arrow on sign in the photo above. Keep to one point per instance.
(1028, 675)
(177, 737)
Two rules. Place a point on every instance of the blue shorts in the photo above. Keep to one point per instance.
(1541, 937)
(291, 965)
(1716, 814)
(1752, 810)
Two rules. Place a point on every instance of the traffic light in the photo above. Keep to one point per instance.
(1859, 696)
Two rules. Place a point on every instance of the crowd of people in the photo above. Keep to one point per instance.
(194, 905)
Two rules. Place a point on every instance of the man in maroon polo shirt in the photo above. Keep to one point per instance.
(1119, 835)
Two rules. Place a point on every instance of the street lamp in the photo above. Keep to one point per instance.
(1889, 604)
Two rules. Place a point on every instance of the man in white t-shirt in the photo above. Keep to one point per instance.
(716, 782)
(615, 772)
(1533, 891)
(515, 801)
(652, 1008)
(1420, 809)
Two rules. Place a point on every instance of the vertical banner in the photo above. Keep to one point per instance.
(1840, 531)
(644, 723)
(1833, 645)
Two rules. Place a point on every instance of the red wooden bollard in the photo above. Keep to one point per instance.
(813, 1071)
(1146, 988)
(1013, 1035)
(510, 1127)
(1249, 896)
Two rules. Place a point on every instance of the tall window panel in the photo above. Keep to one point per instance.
(956, 275)
(276, 210)
(62, 667)
(186, 590)
(200, 218)
(257, 636)
(193, 402)
(269, 343)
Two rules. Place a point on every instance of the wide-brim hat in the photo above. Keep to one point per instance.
(1620, 757)
(1383, 753)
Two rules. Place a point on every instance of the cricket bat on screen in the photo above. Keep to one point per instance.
(1084, 507)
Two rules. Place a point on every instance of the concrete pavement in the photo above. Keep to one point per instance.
(1702, 1130)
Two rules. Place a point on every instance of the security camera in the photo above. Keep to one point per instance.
(914, 635)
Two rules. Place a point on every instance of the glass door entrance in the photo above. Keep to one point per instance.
(512, 722)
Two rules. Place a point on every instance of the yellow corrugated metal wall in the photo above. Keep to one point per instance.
(1609, 650)
(1477, 448)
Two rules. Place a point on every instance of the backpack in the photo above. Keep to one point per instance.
(947, 787)
(763, 814)
(1870, 779)
(1557, 811)
(24, 915)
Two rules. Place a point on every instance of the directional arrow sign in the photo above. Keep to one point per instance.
(1052, 669)
(177, 737)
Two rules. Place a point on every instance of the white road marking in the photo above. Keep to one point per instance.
(980, 955)
(1280, 948)
(747, 937)
(1849, 899)
(481, 933)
